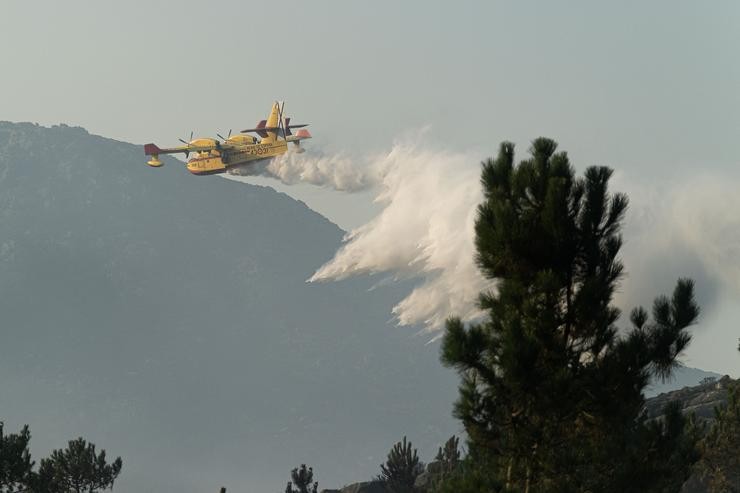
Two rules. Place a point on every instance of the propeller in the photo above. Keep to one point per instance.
(281, 123)
(187, 153)
(225, 138)
(188, 142)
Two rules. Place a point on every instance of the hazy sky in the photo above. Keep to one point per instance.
(649, 88)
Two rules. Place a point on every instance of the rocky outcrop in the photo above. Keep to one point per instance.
(700, 400)
(364, 487)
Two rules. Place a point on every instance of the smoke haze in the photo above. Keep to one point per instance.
(689, 228)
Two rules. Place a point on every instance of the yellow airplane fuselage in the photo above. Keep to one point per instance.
(214, 161)
(211, 156)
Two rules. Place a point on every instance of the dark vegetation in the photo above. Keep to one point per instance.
(76, 469)
(719, 465)
(551, 397)
(448, 458)
(552, 392)
(302, 479)
(402, 468)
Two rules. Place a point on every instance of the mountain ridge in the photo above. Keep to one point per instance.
(166, 318)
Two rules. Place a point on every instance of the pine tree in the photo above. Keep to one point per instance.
(401, 469)
(720, 462)
(15, 460)
(77, 469)
(551, 394)
(303, 480)
(448, 458)
(447, 463)
(658, 454)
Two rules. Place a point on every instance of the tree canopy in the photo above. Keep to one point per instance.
(15, 460)
(552, 390)
(402, 467)
(77, 469)
(302, 478)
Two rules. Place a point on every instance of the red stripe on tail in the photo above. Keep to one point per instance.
(150, 149)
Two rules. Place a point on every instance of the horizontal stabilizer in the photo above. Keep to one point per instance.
(260, 130)
(261, 125)
(287, 126)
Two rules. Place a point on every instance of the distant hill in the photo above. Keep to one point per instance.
(166, 318)
(701, 399)
(682, 377)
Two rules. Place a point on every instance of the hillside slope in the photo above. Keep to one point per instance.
(166, 318)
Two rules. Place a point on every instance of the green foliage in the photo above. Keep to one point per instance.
(15, 460)
(550, 393)
(77, 469)
(448, 458)
(303, 480)
(720, 462)
(402, 468)
(446, 463)
(657, 455)
(471, 476)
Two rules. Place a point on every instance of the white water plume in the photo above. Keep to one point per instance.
(425, 229)
(335, 171)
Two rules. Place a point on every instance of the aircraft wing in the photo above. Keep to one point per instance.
(154, 150)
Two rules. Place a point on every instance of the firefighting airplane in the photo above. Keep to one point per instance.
(211, 156)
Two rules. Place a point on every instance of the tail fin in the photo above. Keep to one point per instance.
(151, 149)
(271, 129)
(272, 124)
